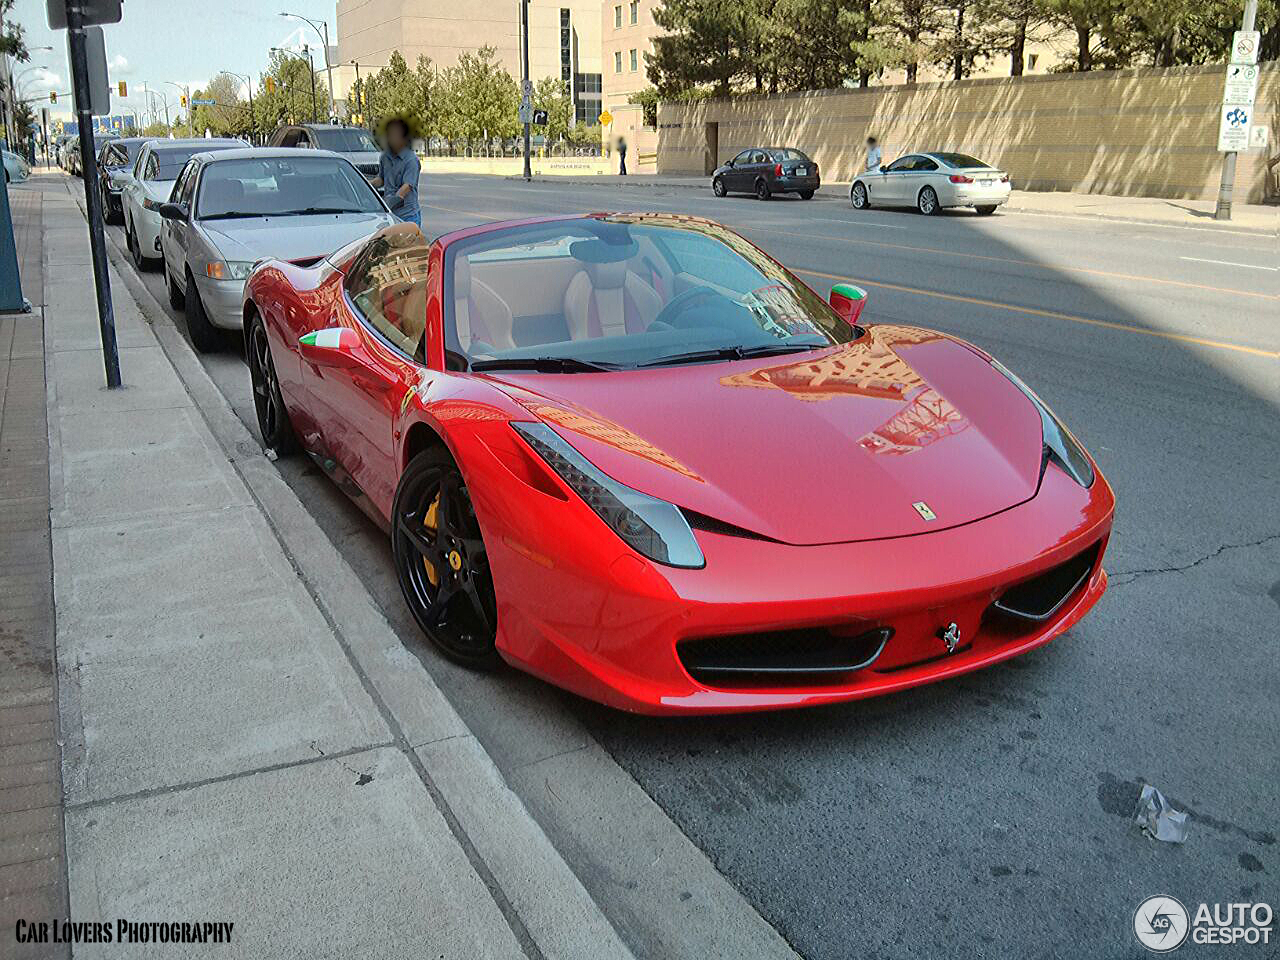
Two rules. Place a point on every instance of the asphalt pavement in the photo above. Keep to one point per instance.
(989, 816)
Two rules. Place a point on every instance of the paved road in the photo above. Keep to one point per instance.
(987, 816)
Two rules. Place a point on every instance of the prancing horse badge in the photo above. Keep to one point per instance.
(925, 511)
(950, 635)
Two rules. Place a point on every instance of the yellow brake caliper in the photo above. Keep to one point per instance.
(429, 521)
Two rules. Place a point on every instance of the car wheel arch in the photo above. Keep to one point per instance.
(419, 438)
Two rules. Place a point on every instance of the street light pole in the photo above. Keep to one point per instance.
(248, 82)
(1227, 186)
(524, 78)
(311, 69)
(322, 30)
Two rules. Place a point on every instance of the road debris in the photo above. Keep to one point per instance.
(1157, 818)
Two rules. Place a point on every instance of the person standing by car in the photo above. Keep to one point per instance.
(398, 172)
(622, 157)
(873, 154)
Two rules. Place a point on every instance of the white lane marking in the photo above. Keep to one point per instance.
(1231, 263)
(860, 223)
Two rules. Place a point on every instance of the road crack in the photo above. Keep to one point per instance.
(1129, 576)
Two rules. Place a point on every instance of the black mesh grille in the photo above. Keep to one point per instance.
(1040, 598)
(779, 657)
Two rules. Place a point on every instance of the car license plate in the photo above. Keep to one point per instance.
(802, 171)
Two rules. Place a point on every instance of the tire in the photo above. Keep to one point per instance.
(7, 178)
(441, 563)
(135, 251)
(177, 299)
(927, 202)
(204, 335)
(859, 199)
(806, 194)
(986, 210)
(717, 187)
(762, 189)
(274, 424)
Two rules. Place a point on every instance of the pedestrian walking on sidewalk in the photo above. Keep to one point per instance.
(873, 154)
(622, 157)
(398, 172)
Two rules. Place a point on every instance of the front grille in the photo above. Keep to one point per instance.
(812, 656)
(1042, 596)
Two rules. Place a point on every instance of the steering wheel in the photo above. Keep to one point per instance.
(680, 303)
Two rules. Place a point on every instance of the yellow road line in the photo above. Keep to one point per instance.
(1050, 314)
(1054, 268)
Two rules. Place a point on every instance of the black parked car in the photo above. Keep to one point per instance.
(115, 166)
(74, 163)
(765, 171)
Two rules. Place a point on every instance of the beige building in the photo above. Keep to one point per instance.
(564, 38)
(626, 33)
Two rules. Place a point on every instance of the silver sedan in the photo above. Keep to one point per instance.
(931, 182)
(232, 208)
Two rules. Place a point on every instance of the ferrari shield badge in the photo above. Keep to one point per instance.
(925, 511)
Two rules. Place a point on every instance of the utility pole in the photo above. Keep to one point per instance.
(1227, 187)
(524, 81)
(321, 27)
(311, 68)
(92, 200)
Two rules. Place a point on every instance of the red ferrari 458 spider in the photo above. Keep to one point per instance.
(637, 457)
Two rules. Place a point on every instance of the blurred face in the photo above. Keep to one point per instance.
(396, 138)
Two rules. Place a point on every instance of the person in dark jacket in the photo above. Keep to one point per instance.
(622, 157)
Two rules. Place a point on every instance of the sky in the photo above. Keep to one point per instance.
(165, 42)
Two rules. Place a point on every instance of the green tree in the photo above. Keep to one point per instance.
(913, 25)
(648, 99)
(395, 90)
(284, 93)
(706, 42)
(13, 38)
(477, 99)
(549, 94)
(229, 115)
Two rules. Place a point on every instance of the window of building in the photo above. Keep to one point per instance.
(1032, 59)
(617, 61)
(617, 16)
(635, 60)
(635, 11)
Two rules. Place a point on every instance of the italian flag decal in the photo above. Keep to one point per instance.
(330, 339)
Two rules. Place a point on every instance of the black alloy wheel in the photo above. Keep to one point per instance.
(806, 194)
(762, 189)
(441, 561)
(986, 209)
(273, 418)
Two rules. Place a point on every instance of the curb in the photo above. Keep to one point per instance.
(549, 910)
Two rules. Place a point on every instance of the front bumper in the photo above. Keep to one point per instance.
(596, 618)
(223, 301)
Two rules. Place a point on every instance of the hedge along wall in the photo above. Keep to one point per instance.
(1141, 132)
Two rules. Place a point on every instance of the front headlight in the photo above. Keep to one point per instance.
(228, 270)
(650, 526)
(1059, 445)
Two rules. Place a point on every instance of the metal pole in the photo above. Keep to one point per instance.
(328, 69)
(97, 244)
(359, 92)
(524, 78)
(312, 68)
(1227, 187)
(253, 118)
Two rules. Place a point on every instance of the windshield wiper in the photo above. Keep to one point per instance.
(545, 364)
(731, 353)
(229, 215)
(308, 210)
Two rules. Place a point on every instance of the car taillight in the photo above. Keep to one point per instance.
(960, 178)
(777, 171)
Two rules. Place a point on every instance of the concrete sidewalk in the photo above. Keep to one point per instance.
(246, 740)
(1248, 218)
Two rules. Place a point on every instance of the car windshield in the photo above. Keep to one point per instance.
(346, 140)
(100, 140)
(962, 160)
(624, 292)
(171, 160)
(279, 186)
(788, 154)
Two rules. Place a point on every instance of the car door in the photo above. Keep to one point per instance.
(923, 173)
(734, 176)
(175, 235)
(894, 186)
(385, 298)
(132, 200)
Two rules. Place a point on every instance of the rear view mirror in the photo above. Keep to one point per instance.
(334, 347)
(848, 301)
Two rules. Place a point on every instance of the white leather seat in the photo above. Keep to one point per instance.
(608, 300)
(479, 314)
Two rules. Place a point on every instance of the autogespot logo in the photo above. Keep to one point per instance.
(1161, 924)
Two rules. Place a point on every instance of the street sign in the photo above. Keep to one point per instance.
(95, 52)
(526, 88)
(203, 103)
(1244, 46)
(526, 113)
(540, 118)
(1259, 136)
(1241, 85)
(93, 11)
(1233, 131)
(606, 118)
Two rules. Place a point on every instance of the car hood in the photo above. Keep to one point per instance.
(827, 447)
(291, 238)
(362, 156)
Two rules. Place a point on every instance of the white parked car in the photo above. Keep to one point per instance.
(931, 182)
(15, 168)
(157, 167)
(233, 208)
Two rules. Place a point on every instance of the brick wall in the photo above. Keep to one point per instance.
(1139, 132)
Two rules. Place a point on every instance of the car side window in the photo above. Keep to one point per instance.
(387, 285)
(925, 164)
(743, 157)
(757, 156)
(142, 159)
(302, 140)
(902, 164)
(184, 190)
(152, 168)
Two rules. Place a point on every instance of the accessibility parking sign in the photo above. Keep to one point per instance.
(1233, 131)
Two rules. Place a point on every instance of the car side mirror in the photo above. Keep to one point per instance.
(333, 347)
(173, 211)
(884, 168)
(729, 164)
(848, 301)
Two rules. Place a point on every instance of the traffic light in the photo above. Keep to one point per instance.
(271, 84)
(53, 96)
(183, 99)
(123, 88)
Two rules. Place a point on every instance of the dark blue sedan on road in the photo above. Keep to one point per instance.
(765, 171)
